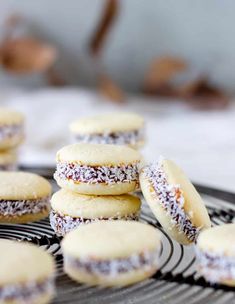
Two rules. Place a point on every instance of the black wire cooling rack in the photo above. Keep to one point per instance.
(176, 282)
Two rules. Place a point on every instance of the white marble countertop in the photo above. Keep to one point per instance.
(203, 143)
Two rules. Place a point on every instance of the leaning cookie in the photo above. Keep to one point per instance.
(8, 160)
(26, 274)
(111, 128)
(98, 169)
(174, 201)
(215, 252)
(111, 253)
(11, 128)
(24, 197)
(71, 210)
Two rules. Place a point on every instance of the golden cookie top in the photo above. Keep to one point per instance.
(218, 240)
(98, 155)
(91, 206)
(23, 186)
(107, 123)
(111, 239)
(23, 262)
(10, 117)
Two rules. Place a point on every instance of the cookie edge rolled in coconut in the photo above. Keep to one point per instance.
(161, 214)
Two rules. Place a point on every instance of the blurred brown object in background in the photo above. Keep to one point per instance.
(109, 14)
(204, 95)
(110, 90)
(159, 75)
(26, 55)
(23, 54)
(106, 86)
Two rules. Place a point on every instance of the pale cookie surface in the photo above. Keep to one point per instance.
(23, 186)
(97, 155)
(29, 263)
(92, 207)
(107, 123)
(9, 117)
(219, 239)
(110, 240)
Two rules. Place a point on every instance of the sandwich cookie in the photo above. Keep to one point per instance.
(111, 128)
(11, 128)
(26, 274)
(174, 201)
(8, 160)
(111, 253)
(98, 169)
(70, 210)
(215, 252)
(24, 197)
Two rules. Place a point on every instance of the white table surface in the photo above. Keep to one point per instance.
(203, 143)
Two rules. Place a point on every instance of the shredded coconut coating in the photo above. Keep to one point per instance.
(214, 267)
(28, 292)
(171, 199)
(62, 224)
(98, 174)
(114, 138)
(10, 131)
(21, 207)
(146, 260)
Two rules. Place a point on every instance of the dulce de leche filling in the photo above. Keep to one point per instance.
(171, 200)
(20, 207)
(98, 174)
(215, 267)
(28, 292)
(62, 224)
(146, 260)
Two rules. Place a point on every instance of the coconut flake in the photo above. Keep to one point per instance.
(215, 267)
(171, 199)
(98, 174)
(21, 207)
(28, 292)
(114, 138)
(62, 224)
(146, 260)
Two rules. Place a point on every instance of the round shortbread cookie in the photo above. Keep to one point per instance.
(24, 197)
(32, 280)
(174, 201)
(70, 210)
(216, 254)
(98, 169)
(111, 253)
(110, 128)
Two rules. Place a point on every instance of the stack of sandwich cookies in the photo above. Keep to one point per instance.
(71, 210)
(111, 253)
(24, 197)
(215, 252)
(95, 169)
(11, 136)
(174, 201)
(111, 128)
(26, 274)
